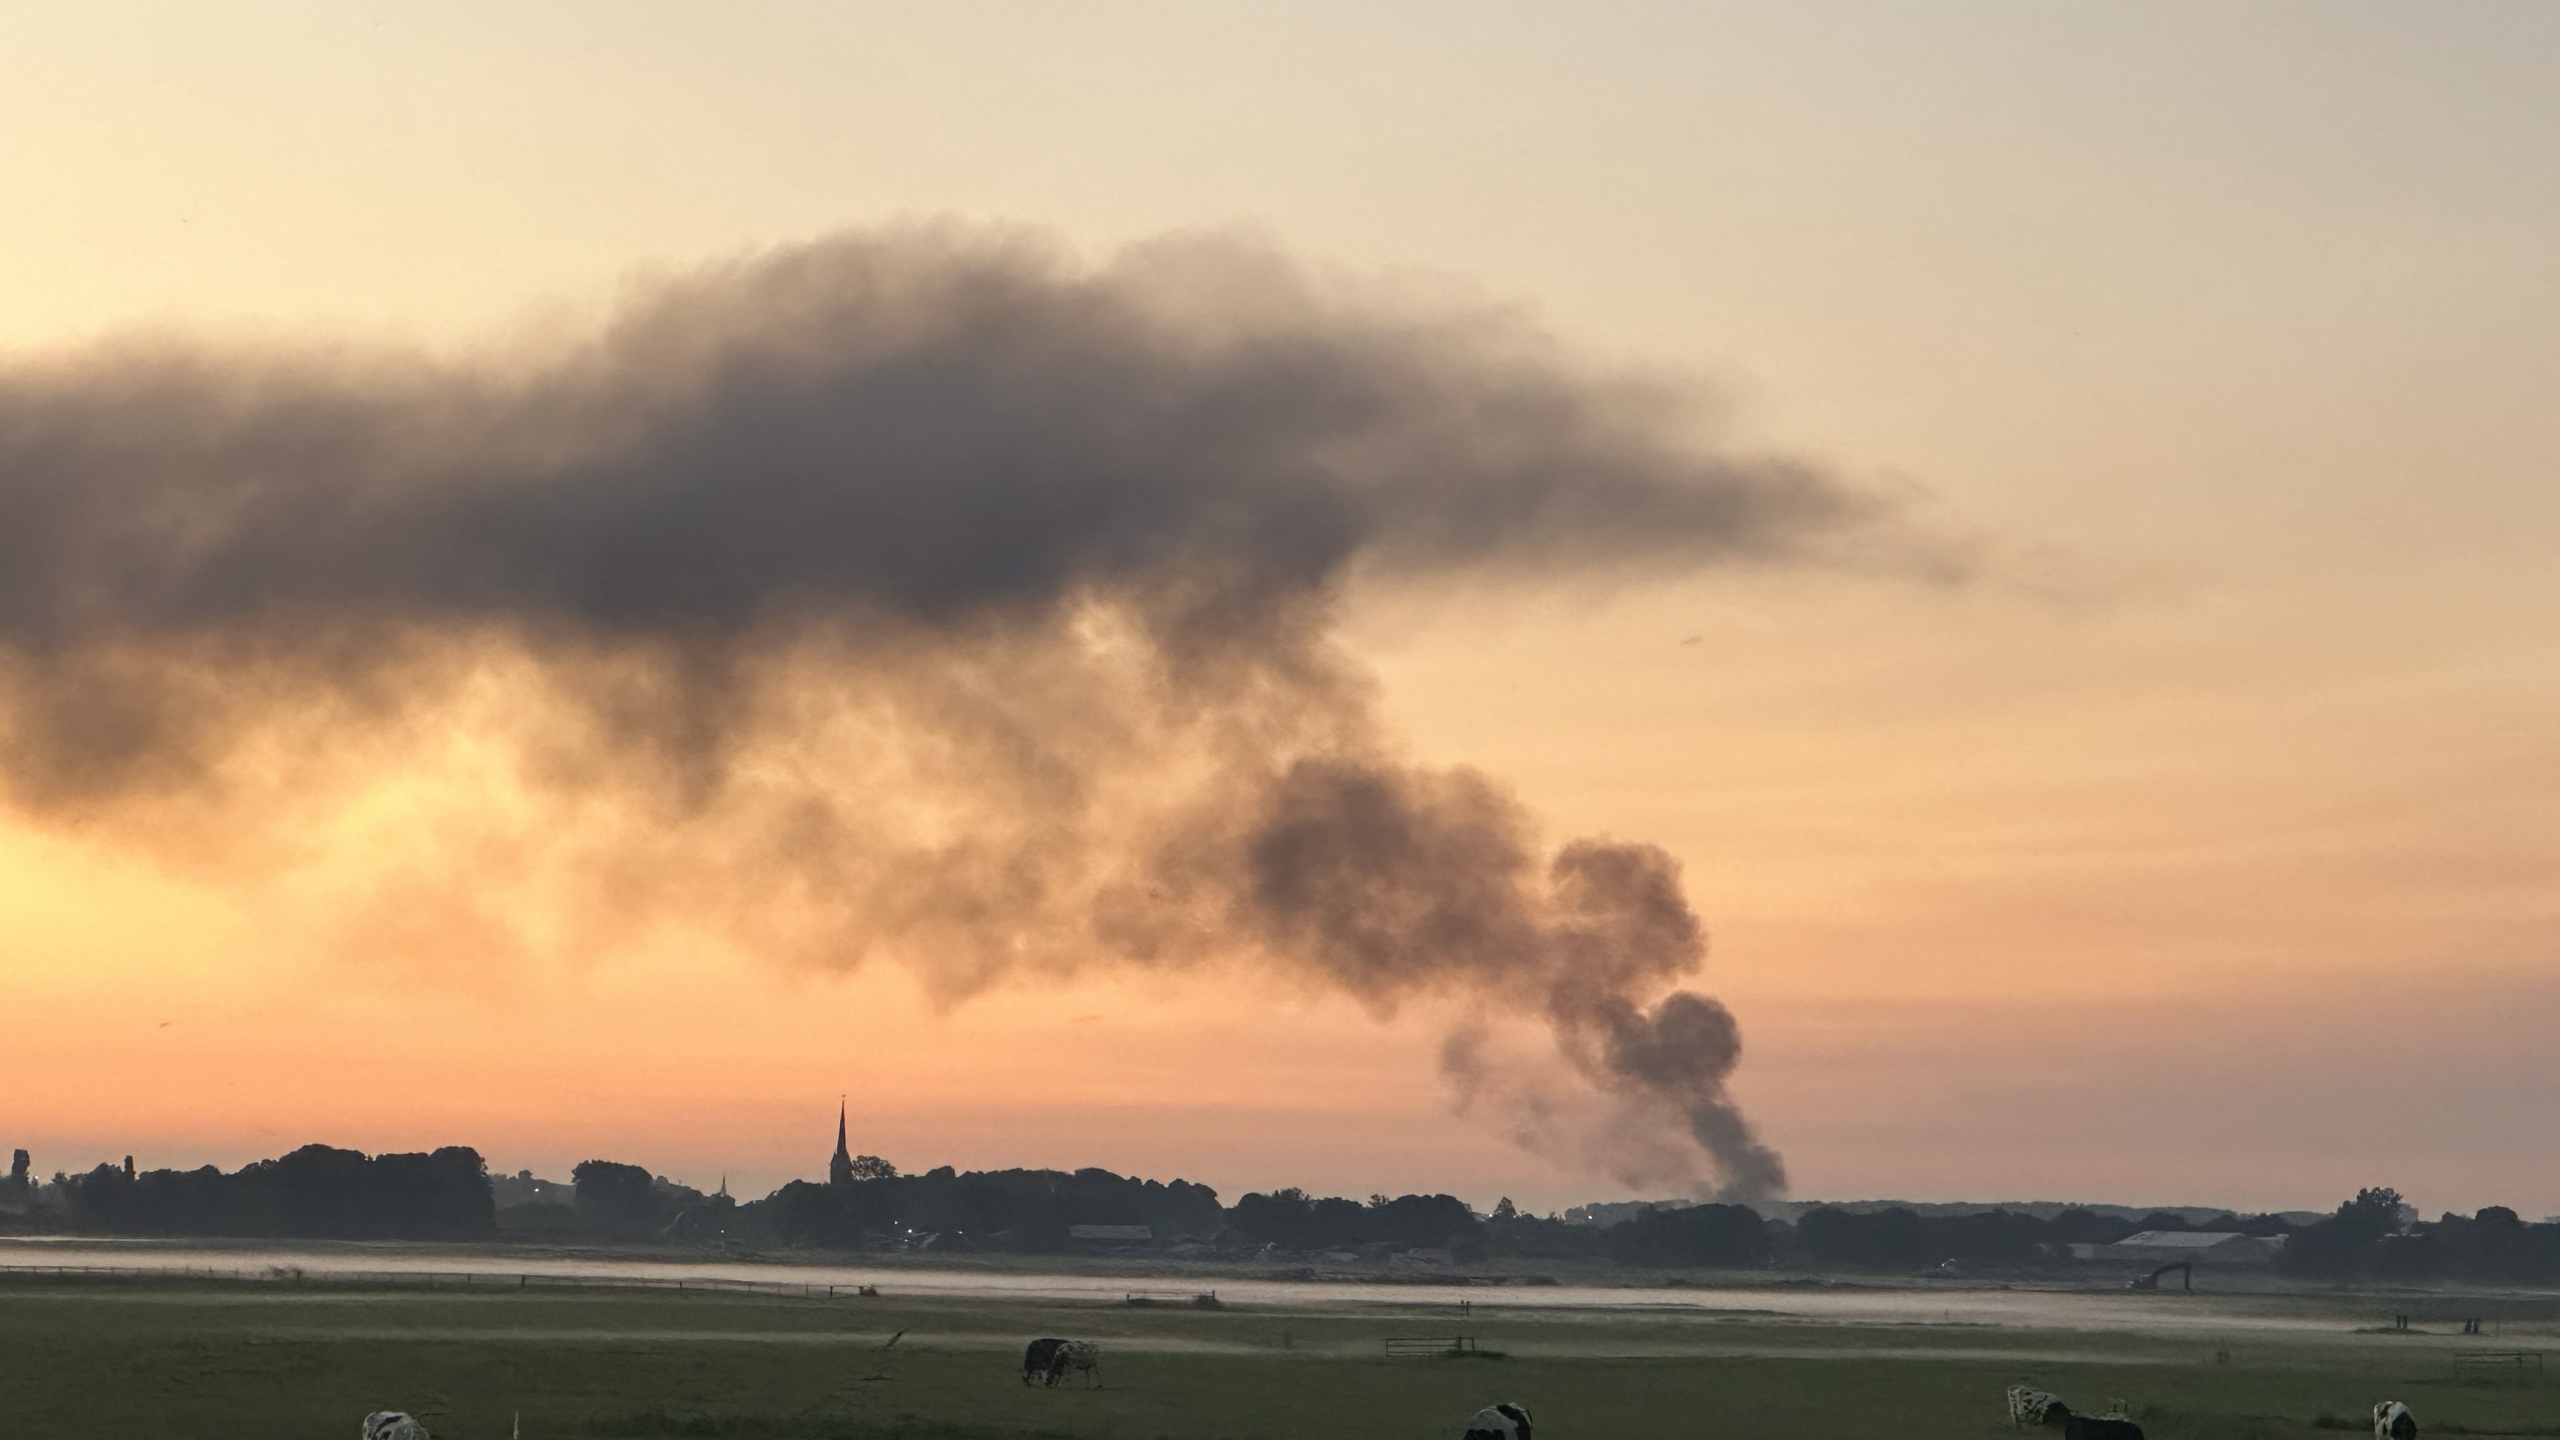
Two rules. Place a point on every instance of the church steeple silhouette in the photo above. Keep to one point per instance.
(840, 1169)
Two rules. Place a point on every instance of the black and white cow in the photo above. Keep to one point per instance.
(2030, 1406)
(1507, 1420)
(2095, 1427)
(393, 1425)
(1083, 1355)
(2392, 1421)
(1040, 1361)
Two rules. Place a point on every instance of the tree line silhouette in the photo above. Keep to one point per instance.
(2371, 1238)
(320, 1192)
(316, 1192)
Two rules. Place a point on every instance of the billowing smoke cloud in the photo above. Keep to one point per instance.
(921, 596)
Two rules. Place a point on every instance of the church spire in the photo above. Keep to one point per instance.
(840, 1168)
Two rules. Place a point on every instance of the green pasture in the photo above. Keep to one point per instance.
(278, 1360)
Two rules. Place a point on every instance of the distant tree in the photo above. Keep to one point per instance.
(615, 1199)
(1990, 1237)
(1512, 1231)
(2261, 1225)
(872, 1167)
(1428, 1221)
(2349, 1242)
(101, 1201)
(1291, 1219)
(1729, 1236)
(316, 1191)
(1286, 1218)
(323, 1191)
(1022, 1210)
(2376, 1208)
(1889, 1239)
(2080, 1225)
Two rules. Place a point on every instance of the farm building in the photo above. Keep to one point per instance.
(2199, 1247)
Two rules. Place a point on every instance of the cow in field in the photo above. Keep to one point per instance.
(2392, 1421)
(2030, 1406)
(1040, 1361)
(2093, 1427)
(1504, 1421)
(393, 1425)
(1081, 1355)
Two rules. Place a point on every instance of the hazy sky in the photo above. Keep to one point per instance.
(2200, 845)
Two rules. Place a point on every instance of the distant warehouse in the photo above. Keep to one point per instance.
(2198, 1247)
(1110, 1232)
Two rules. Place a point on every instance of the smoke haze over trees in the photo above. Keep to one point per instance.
(918, 597)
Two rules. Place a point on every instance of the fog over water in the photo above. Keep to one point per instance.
(1874, 1303)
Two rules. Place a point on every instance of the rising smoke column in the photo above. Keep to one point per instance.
(1390, 881)
(919, 596)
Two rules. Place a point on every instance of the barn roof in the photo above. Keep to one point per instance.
(2182, 1239)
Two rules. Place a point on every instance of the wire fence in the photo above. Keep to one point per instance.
(1403, 1348)
(2492, 1362)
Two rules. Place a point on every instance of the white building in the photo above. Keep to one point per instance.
(2195, 1247)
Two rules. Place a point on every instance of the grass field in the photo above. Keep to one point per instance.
(211, 1360)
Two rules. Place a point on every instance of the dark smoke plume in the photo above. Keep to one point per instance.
(922, 596)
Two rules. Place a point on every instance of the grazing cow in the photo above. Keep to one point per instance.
(2392, 1421)
(2030, 1406)
(2093, 1427)
(1505, 1421)
(1081, 1355)
(1040, 1361)
(393, 1425)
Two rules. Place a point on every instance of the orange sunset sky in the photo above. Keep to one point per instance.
(2176, 820)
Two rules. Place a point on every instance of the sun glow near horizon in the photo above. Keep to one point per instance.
(2229, 363)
